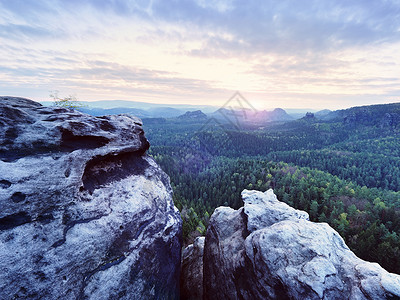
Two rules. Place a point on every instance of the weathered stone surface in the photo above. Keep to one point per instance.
(268, 250)
(192, 270)
(84, 213)
(256, 204)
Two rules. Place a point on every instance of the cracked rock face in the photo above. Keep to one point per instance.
(268, 250)
(84, 213)
(192, 270)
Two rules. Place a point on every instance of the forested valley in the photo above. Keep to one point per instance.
(344, 171)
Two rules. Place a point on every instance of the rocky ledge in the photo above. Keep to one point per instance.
(268, 250)
(84, 213)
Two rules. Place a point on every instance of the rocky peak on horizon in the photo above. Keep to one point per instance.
(193, 115)
(252, 116)
(309, 115)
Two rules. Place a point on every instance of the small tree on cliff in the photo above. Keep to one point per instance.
(67, 102)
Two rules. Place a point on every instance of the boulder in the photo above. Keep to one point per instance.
(268, 250)
(84, 213)
(192, 270)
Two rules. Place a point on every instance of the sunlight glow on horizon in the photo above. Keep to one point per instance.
(195, 54)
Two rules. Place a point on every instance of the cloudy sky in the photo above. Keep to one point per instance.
(314, 54)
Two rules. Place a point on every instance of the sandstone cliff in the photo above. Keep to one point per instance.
(84, 213)
(192, 270)
(268, 250)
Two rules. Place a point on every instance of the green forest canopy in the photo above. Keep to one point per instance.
(347, 175)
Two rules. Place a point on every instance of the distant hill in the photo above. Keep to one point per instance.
(193, 115)
(140, 113)
(107, 104)
(165, 112)
(278, 114)
(247, 116)
(322, 113)
(157, 112)
(139, 109)
(298, 113)
(381, 115)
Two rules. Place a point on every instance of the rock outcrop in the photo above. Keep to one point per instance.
(192, 270)
(309, 117)
(196, 115)
(268, 250)
(84, 213)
